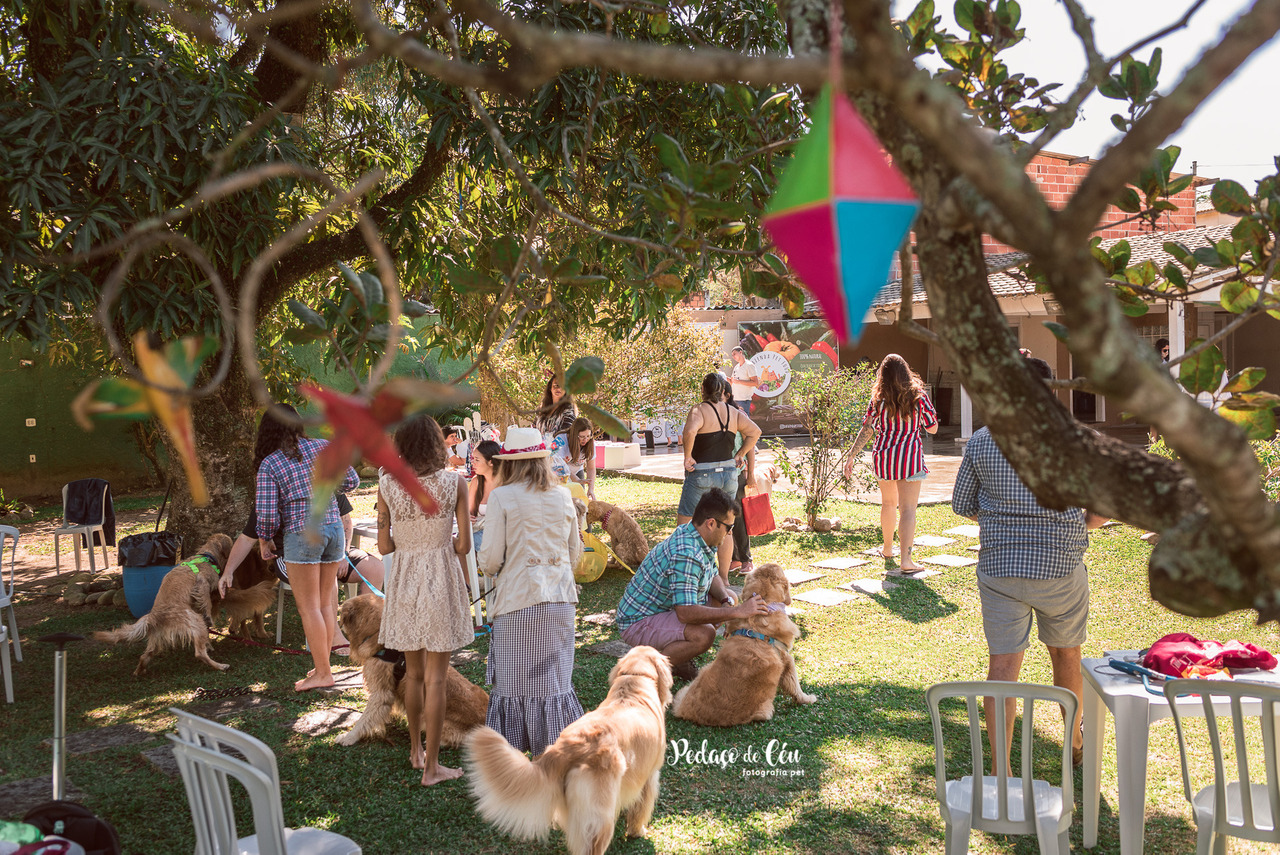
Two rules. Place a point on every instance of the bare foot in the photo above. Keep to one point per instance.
(439, 773)
(416, 760)
(909, 566)
(311, 681)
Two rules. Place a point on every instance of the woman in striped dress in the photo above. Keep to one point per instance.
(898, 410)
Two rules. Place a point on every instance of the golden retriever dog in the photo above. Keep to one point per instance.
(184, 606)
(465, 704)
(604, 763)
(625, 537)
(243, 620)
(741, 682)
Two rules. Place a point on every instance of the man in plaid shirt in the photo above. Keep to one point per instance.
(666, 604)
(1032, 561)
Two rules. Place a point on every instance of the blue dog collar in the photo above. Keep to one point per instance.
(751, 633)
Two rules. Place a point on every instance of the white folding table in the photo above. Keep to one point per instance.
(1134, 709)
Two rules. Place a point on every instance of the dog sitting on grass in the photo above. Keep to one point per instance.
(184, 606)
(465, 704)
(625, 537)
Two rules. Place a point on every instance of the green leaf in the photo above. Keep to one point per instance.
(1245, 380)
(1120, 254)
(964, 14)
(413, 309)
(1229, 197)
(660, 24)
(1208, 256)
(1237, 296)
(1060, 331)
(583, 374)
(1129, 201)
(309, 317)
(1173, 273)
(920, 18)
(1202, 372)
(1256, 424)
(1181, 253)
(606, 421)
(673, 157)
(354, 285)
(504, 254)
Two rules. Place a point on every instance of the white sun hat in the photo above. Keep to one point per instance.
(523, 443)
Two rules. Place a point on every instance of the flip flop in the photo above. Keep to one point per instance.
(341, 650)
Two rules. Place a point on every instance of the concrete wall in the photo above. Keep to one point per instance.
(31, 388)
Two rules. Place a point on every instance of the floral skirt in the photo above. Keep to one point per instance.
(530, 672)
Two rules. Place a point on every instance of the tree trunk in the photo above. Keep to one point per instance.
(224, 427)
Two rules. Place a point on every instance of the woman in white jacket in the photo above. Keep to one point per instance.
(531, 544)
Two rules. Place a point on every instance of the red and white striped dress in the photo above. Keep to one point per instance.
(898, 452)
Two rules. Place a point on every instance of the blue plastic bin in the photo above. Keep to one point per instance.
(141, 584)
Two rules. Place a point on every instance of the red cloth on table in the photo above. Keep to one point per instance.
(1175, 652)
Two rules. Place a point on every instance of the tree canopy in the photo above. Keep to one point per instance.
(531, 168)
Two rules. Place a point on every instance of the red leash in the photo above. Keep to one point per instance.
(258, 643)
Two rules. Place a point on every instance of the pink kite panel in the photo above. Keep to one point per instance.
(807, 238)
(860, 170)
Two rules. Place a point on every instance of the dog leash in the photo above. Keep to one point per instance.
(372, 587)
(250, 641)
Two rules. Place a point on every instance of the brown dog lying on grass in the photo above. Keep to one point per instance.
(465, 705)
(754, 661)
(604, 763)
(184, 606)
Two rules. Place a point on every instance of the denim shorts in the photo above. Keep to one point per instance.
(722, 474)
(304, 547)
(919, 476)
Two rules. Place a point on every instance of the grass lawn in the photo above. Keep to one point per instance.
(859, 767)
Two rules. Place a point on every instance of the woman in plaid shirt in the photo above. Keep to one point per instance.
(283, 503)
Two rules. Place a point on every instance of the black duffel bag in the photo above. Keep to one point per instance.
(76, 823)
(149, 549)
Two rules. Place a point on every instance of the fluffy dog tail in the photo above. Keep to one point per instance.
(516, 795)
(126, 632)
(248, 601)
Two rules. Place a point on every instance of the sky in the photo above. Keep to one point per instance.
(1235, 134)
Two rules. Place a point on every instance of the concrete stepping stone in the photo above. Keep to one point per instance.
(950, 560)
(825, 597)
(114, 736)
(162, 758)
(322, 722)
(792, 611)
(977, 547)
(897, 573)
(608, 618)
(870, 586)
(970, 530)
(348, 678)
(616, 648)
(462, 657)
(799, 577)
(933, 540)
(843, 563)
(875, 551)
(18, 797)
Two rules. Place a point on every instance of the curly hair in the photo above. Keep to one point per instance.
(275, 435)
(897, 386)
(421, 443)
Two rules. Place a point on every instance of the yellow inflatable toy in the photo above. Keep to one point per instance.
(594, 556)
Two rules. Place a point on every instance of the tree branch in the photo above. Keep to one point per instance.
(1133, 152)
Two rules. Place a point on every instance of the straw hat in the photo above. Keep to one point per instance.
(522, 444)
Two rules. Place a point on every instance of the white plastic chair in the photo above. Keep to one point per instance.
(200, 747)
(82, 528)
(1240, 807)
(8, 532)
(1001, 804)
(6, 670)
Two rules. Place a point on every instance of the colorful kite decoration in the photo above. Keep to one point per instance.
(360, 431)
(170, 366)
(839, 213)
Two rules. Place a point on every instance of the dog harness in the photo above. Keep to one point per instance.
(193, 564)
(751, 633)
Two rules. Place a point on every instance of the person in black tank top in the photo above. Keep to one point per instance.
(709, 458)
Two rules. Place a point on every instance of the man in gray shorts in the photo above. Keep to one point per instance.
(666, 604)
(1032, 561)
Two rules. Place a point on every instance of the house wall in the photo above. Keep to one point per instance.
(1255, 345)
(1057, 176)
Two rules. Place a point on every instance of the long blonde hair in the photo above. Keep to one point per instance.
(534, 471)
(897, 386)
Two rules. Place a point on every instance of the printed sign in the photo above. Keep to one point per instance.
(779, 350)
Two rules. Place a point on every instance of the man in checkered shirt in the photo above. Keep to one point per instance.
(667, 604)
(1032, 561)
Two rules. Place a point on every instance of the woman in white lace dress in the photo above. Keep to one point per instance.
(426, 612)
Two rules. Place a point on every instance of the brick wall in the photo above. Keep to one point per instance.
(1057, 177)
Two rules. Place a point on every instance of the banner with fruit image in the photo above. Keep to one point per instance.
(778, 350)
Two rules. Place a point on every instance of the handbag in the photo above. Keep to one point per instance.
(757, 513)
